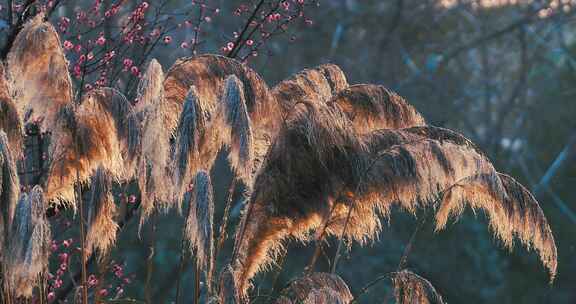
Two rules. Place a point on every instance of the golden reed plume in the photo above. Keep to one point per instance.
(210, 76)
(316, 288)
(100, 132)
(411, 288)
(317, 84)
(319, 170)
(371, 107)
(102, 226)
(38, 73)
(208, 73)
(199, 139)
(29, 248)
(155, 122)
(10, 121)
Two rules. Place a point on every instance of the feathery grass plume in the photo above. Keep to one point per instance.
(9, 188)
(98, 132)
(38, 73)
(372, 107)
(29, 249)
(519, 214)
(102, 227)
(199, 230)
(157, 119)
(9, 118)
(411, 288)
(317, 288)
(234, 126)
(318, 167)
(189, 135)
(208, 74)
(317, 84)
(324, 296)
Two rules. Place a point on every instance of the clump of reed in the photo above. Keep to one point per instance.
(318, 157)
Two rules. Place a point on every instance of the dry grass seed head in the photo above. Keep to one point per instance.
(30, 244)
(236, 125)
(372, 107)
(318, 162)
(317, 84)
(95, 133)
(208, 74)
(38, 73)
(158, 122)
(189, 133)
(411, 288)
(320, 288)
(199, 230)
(102, 226)
(517, 214)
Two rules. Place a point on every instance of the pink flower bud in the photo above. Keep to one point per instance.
(101, 40)
(128, 62)
(68, 45)
(135, 71)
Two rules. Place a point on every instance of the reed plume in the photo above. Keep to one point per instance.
(38, 73)
(190, 136)
(199, 230)
(319, 167)
(102, 227)
(10, 121)
(157, 121)
(371, 107)
(411, 288)
(518, 214)
(234, 126)
(208, 73)
(100, 132)
(317, 288)
(318, 84)
(9, 189)
(29, 248)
